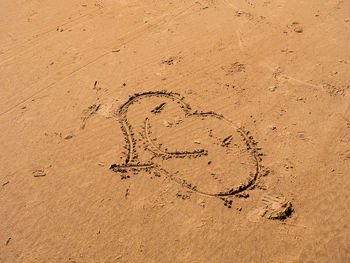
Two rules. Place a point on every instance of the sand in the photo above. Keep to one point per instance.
(174, 131)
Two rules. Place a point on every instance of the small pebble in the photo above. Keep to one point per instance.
(272, 127)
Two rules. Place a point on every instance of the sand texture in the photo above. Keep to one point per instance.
(174, 131)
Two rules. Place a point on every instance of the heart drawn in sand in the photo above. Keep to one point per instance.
(202, 151)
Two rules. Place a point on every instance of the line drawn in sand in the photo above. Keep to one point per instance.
(204, 152)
